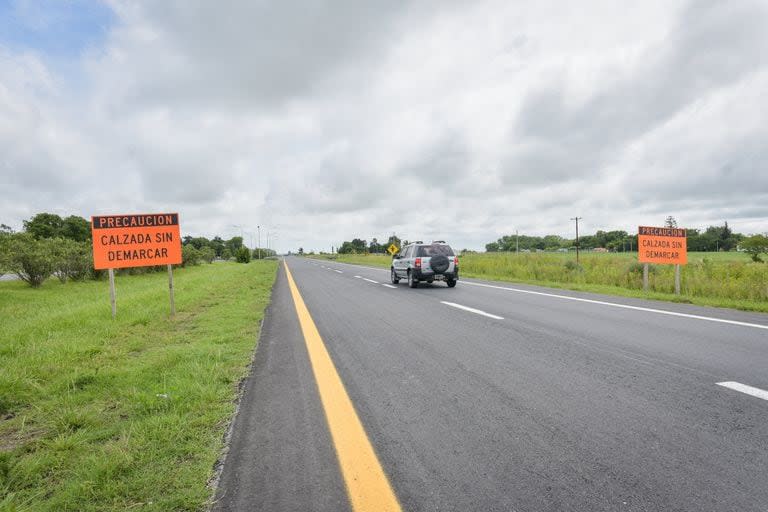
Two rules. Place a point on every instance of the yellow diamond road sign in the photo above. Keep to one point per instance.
(392, 249)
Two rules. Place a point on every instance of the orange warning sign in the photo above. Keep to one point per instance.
(144, 240)
(662, 245)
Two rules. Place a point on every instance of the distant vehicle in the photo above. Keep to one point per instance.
(425, 262)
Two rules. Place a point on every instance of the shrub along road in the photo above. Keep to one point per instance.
(129, 414)
(498, 397)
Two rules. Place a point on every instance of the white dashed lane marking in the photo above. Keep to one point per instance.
(472, 310)
(743, 388)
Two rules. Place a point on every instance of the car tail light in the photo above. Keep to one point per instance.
(456, 260)
(417, 263)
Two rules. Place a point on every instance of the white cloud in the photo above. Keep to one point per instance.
(462, 121)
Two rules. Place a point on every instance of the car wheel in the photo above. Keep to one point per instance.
(393, 276)
(451, 283)
(413, 283)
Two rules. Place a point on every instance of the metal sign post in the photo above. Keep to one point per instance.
(112, 299)
(170, 289)
(645, 277)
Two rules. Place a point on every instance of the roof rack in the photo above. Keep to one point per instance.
(438, 241)
(417, 242)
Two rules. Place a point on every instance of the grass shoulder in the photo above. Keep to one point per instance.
(97, 414)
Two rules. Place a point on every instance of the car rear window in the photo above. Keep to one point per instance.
(434, 250)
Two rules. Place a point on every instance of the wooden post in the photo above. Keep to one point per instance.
(677, 279)
(112, 292)
(645, 277)
(170, 289)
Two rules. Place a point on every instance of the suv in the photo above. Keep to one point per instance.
(425, 262)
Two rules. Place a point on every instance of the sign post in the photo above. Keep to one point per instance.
(112, 298)
(144, 240)
(170, 289)
(645, 277)
(666, 246)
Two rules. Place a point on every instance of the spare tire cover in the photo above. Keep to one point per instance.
(439, 263)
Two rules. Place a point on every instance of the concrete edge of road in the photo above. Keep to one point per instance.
(218, 466)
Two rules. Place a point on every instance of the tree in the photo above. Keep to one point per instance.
(356, 246)
(197, 242)
(189, 256)
(76, 228)
(50, 225)
(243, 255)
(218, 245)
(492, 247)
(234, 243)
(72, 260)
(755, 245)
(44, 225)
(261, 253)
(301, 251)
(670, 222)
(32, 260)
(207, 254)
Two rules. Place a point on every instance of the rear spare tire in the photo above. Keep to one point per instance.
(439, 263)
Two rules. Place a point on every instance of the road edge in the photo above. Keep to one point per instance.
(218, 466)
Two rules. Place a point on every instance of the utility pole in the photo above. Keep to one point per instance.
(258, 229)
(577, 219)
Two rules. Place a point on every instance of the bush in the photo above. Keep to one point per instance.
(754, 246)
(573, 266)
(73, 260)
(243, 255)
(190, 256)
(226, 254)
(207, 254)
(637, 268)
(32, 260)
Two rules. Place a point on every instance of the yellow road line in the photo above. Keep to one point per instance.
(367, 485)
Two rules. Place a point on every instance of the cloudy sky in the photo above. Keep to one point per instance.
(320, 121)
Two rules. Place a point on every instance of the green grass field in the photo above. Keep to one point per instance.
(97, 414)
(726, 279)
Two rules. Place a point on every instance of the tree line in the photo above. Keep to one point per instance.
(360, 246)
(51, 245)
(711, 239)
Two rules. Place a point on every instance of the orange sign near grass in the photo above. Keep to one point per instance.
(144, 240)
(662, 245)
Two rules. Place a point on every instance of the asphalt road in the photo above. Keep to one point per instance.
(532, 399)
